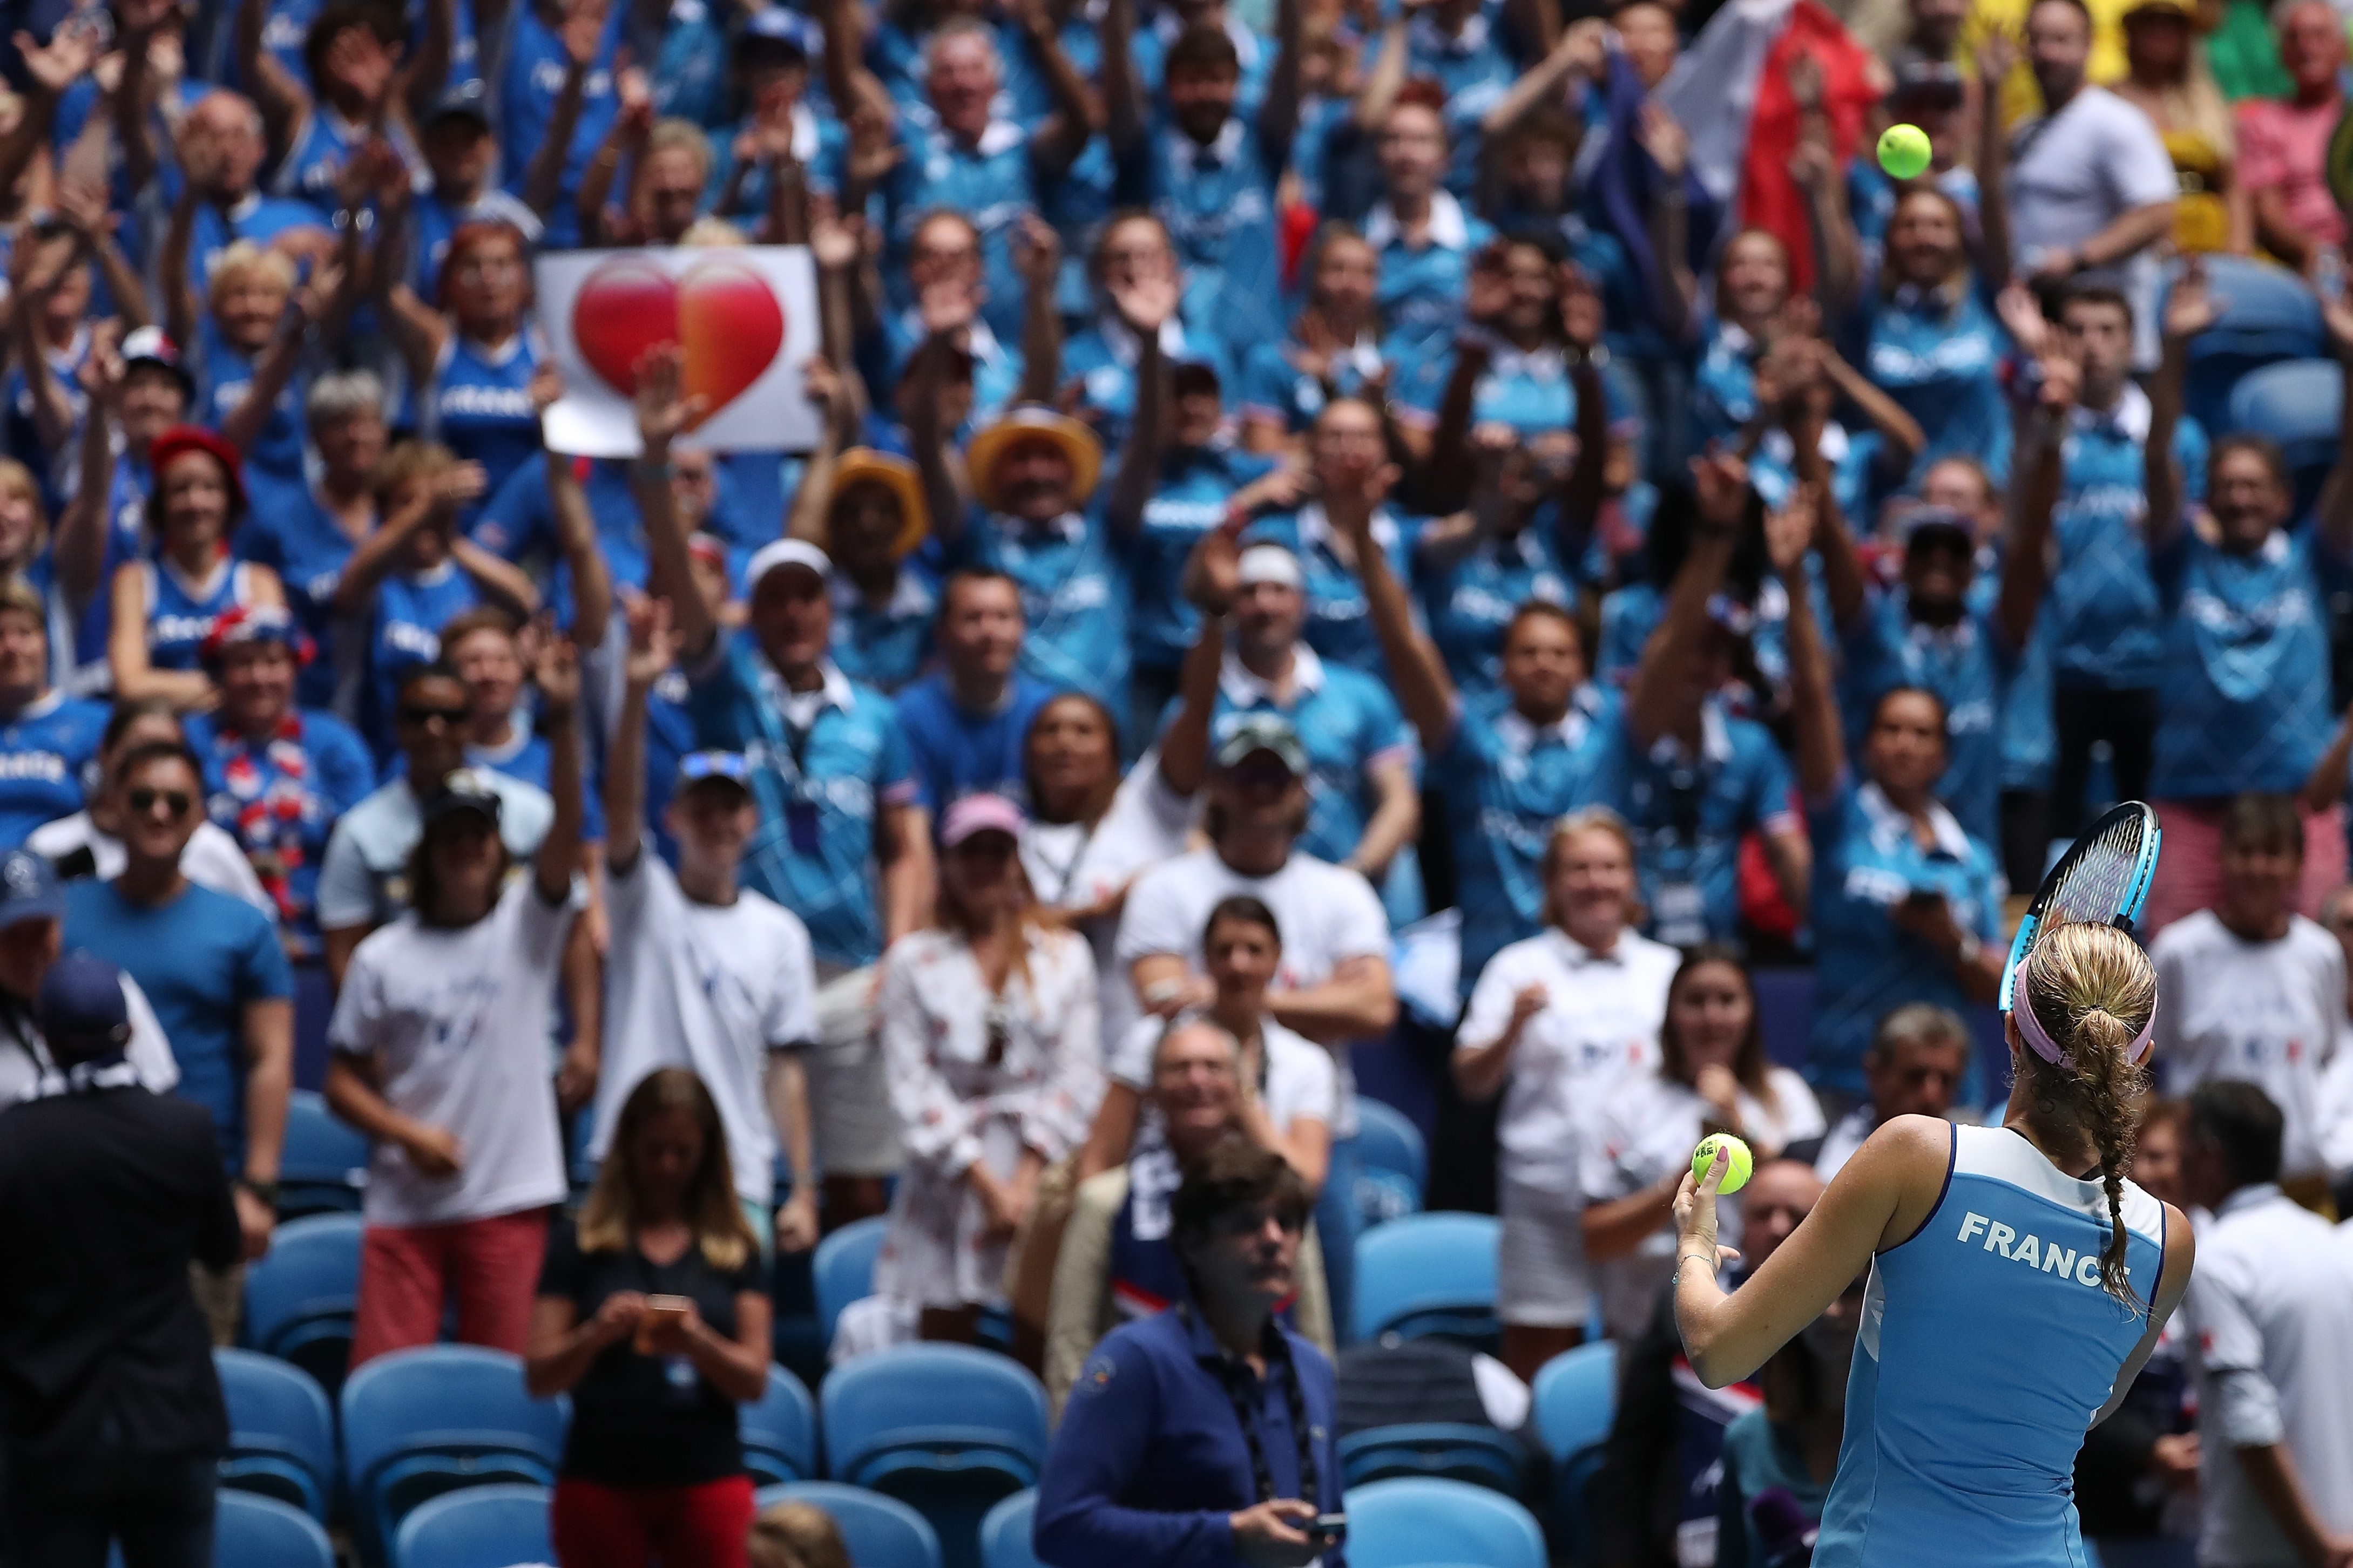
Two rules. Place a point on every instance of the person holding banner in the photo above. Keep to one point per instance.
(844, 842)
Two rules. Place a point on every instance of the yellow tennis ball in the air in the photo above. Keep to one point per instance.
(1904, 150)
(1736, 1172)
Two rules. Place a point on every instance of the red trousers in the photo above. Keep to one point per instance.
(407, 1272)
(632, 1527)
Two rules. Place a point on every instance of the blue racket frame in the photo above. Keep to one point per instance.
(2134, 897)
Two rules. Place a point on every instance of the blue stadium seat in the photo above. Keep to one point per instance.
(325, 1160)
(281, 1433)
(482, 1527)
(780, 1432)
(1393, 1164)
(419, 1423)
(1411, 1524)
(251, 1532)
(2268, 315)
(880, 1531)
(298, 1300)
(1480, 1456)
(1429, 1274)
(2295, 404)
(1575, 1400)
(844, 1268)
(1005, 1533)
(950, 1429)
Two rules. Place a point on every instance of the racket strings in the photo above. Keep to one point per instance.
(2097, 887)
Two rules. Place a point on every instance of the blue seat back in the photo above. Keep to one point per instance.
(1408, 1523)
(2297, 405)
(325, 1160)
(880, 1531)
(297, 1299)
(1005, 1533)
(484, 1526)
(951, 1429)
(1427, 1273)
(2268, 315)
(1575, 1400)
(418, 1423)
(281, 1439)
(780, 1432)
(1387, 1140)
(252, 1532)
(1480, 1456)
(843, 1268)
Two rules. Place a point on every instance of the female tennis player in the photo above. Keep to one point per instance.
(2018, 1281)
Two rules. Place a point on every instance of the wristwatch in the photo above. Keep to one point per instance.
(266, 1191)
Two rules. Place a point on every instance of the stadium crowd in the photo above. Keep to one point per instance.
(1485, 536)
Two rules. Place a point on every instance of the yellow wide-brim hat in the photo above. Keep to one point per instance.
(1030, 422)
(895, 474)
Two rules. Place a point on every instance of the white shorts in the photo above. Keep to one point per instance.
(1541, 1278)
(849, 1098)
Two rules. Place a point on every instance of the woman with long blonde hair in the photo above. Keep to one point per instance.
(2018, 1281)
(993, 1046)
(653, 1316)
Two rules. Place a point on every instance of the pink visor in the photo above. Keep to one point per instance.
(2031, 1030)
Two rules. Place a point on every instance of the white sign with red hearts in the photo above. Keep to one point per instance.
(744, 320)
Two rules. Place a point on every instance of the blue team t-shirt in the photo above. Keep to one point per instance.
(958, 753)
(45, 748)
(201, 958)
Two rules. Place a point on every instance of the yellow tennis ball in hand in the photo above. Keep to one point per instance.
(1736, 1172)
(1904, 150)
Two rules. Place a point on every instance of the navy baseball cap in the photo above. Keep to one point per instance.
(29, 889)
(462, 101)
(465, 790)
(789, 29)
(82, 1009)
(725, 767)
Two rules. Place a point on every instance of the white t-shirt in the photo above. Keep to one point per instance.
(457, 1021)
(1328, 916)
(212, 859)
(2267, 1012)
(715, 987)
(1071, 867)
(2272, 1293)
(1648, 1127)
(1599, 1024)
(25, 1055)
(1300, 1080)
(2074, 173)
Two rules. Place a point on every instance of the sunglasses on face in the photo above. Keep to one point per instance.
(176, 802)
(426, 715)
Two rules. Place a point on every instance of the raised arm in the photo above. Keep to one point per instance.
(1211, 581)
(1058, 138)
(82, 207)
(1038, 250)
(284, 102)
(1123, 89)
(80, 548)
(416, 327)
(1145, 303)
(948, 309)
(328, 298)
(653, 649)
(664, 410)
(1424, 690)
(1278, 117)
(2038, 478)
(625, 139)
(558, 679)
(542, 181)
(425, 73)
(1820, 748)
(1902, 433)
(1663, 690)
(1997, 55)
(37, 267)
(50, 70)
(2190, 310)
(807, 519)
(173, 280)
(1838, 253)
(1584, 487)
(130, 97)
(1674, 292)
(1377, 94)
(576, 527)
(374, 558)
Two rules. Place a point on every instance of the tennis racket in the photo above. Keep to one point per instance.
(2103, 879)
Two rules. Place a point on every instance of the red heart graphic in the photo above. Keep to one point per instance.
(623, 309)
(730, 326)
(726, 320)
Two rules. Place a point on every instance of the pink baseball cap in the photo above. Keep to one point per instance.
(980, 814)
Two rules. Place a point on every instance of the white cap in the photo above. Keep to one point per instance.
(1269, 563)
(786, 552)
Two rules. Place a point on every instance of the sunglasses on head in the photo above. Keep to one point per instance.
(177, 802)
(426, 715)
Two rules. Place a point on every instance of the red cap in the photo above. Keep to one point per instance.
(181, 439)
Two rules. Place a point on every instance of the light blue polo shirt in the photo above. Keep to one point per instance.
(822, 785)
(1348, 724)
(1971, 669)
(1217, 203)
(992, 181)
(1196, 483)
(2103, 605)
(1339, 619)
(1689, 814)
(1422, 289)
(1938, 354)
(1075, 591)
(1467, 605)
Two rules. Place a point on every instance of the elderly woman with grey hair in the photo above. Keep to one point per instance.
(1116, 1263)
(308, 543)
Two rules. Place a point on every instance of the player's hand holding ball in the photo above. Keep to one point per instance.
(1721, 1163)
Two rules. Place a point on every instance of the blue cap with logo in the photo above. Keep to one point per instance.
(29, 889)
(82, 1009)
